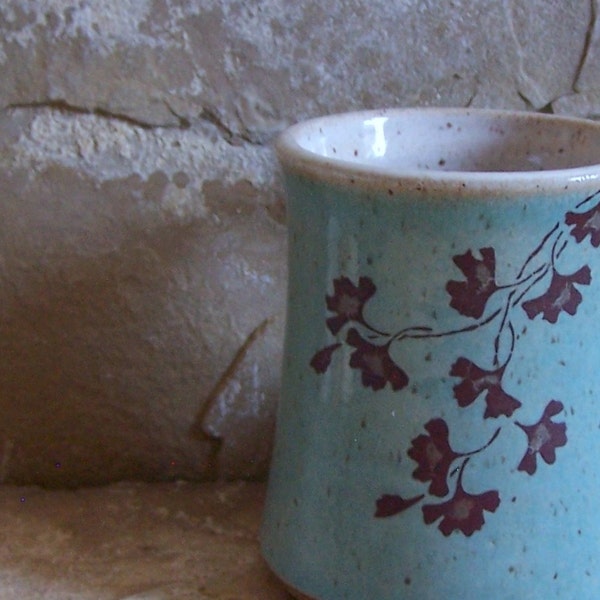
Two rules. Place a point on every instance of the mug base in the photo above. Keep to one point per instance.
(294, 593)
(291, 590)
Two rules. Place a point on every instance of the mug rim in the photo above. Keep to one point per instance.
(294, 158)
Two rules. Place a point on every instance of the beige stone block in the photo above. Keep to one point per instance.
(129, 283)
(581, 104)
(255, 66)
(142, 237)
(177, 541)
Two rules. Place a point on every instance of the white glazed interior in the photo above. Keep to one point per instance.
(477, 146)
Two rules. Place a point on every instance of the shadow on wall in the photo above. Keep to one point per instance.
(117, 321)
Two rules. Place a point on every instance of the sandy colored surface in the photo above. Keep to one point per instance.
(142, 237)
(132, 541)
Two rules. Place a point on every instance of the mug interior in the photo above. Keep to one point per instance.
(448, 140)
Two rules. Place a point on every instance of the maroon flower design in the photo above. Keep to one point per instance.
(561, 295)
(370, 353)
(587, 223)
(434, 456)
(348, 301)
(470, 297)
(322, 359)
(543, 438)
(389, 505)
(463, 512)
(476, 380)
(377, 368)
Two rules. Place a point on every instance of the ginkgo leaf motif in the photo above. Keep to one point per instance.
(584, 224)
(463, 512)
(434, 456)
(322, 359)
(476, 380)
(376, 366)
(543, 438)
(469, 297)
(561, 295)
(389, 505)
(348, 301)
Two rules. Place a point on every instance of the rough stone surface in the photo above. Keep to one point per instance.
(142, 237)
(177, 541)
(122, 301)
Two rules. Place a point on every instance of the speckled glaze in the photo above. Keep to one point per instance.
(439, 428)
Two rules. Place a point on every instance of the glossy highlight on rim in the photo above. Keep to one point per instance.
(296, 157)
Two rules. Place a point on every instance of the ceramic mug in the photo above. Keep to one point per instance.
(438, 433)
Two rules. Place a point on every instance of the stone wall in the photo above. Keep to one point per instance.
(142, 236)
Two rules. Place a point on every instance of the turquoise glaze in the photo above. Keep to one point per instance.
(438, 432)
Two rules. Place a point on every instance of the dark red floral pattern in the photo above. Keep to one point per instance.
(322, 359)
(389, 505)
(434, 456)
(470, 297)
(475, 381)
(432, 452)
(375, 364)
(463, 512)
(584, 224)
(562, 295)
(543, 438)
(348, 301)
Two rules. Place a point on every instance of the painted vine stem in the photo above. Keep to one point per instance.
(436, 460)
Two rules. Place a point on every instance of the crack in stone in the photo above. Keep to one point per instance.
(471, 99)
(522, 74)
(66, 108)
(198, 429)
(206, 115)
(231, 137)
(547, 108)
(183, 122)
(589, 35)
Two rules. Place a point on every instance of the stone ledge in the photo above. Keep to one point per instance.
(133, 541)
